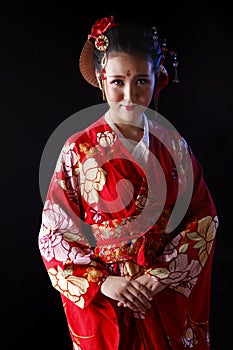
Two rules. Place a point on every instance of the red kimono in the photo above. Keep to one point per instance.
(106, 212)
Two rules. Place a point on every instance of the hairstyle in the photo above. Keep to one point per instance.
(131, 38)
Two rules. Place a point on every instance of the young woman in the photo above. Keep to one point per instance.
(128, 225)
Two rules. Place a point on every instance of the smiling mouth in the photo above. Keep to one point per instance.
(130, 108)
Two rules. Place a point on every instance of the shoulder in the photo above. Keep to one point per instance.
(88, 134)
(163, 131)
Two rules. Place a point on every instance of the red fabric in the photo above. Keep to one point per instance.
(101, 26)
(83, 191)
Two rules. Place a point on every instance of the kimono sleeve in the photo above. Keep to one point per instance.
(64, 247)
(192, 248)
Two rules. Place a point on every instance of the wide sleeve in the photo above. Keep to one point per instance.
(63, 242)
(192, 248)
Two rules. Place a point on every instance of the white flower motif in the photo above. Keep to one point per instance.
(170, 251)
(55, 223)
(180, 275)
(106, 138)
(67, 157)
(183, 276)
(92, 180)
(68, 284)
(79, 256)
(189, 338)
(204, 236)
(180, 146)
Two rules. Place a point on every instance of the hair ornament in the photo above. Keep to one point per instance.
(163, 76)
(100, 27)
(155, 33)
(172, 53)
(175, 65)
(101, 43)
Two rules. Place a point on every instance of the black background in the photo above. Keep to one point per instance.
(41, 87)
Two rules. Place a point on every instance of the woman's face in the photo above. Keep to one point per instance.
(129, 84)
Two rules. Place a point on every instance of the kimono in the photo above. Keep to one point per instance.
(109, 210)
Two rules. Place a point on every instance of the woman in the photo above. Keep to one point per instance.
(128, 226)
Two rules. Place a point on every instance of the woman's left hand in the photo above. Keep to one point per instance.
(150, 283)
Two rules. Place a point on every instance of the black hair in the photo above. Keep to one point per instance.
(131, 38)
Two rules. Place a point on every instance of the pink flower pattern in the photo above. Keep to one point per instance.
(181, 274)
(56, 230)
(68, 157)
(169, 251)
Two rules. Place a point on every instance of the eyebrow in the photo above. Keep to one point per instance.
(121, 76)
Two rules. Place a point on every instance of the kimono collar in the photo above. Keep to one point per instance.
(145, 138)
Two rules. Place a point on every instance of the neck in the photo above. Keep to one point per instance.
(132, 132)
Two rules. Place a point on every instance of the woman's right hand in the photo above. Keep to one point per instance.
(128, 292)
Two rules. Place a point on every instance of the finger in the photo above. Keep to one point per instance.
(135, 299)
(140, 300)
(147, 292)
(129, 305)
(128, 299)
(120, 303)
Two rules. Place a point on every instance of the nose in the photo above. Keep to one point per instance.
(129, 93)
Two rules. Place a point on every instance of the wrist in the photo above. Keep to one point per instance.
(102, 282)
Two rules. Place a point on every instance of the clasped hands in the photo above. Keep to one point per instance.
(136, 294)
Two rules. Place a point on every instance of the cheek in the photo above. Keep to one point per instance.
(147, 94)
(150, 95)
(112, 94)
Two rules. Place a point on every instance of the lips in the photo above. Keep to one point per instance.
(130, 108)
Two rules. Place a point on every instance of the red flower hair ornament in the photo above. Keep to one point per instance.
(86, 60)
(100, 27)
(97, 30)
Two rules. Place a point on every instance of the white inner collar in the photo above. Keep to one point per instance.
(139, 150)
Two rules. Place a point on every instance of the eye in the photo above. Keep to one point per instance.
(117, 82)
(142, 81)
